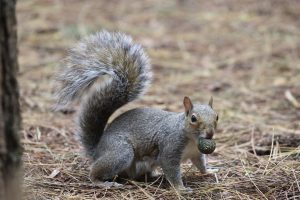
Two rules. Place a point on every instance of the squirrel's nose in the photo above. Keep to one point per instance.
(209, 134)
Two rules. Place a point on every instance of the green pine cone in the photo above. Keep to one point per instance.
(206, 146)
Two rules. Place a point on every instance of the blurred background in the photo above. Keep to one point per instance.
(246, 54)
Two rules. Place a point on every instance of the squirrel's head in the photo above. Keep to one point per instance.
(200, 120)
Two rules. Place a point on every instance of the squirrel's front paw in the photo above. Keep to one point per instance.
(212, 170)
(203, 170)
(209, 170)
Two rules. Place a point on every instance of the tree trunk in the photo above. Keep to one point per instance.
(10, 149)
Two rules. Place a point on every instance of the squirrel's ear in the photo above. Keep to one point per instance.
(188, 105)
(210, 103)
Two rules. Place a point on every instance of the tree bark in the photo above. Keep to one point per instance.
(10, 149)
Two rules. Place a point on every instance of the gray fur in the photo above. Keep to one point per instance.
(139, 140)
(104, 53)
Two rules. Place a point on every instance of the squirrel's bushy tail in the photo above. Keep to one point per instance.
(103, 53)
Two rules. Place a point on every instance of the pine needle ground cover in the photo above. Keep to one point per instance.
(246, 54)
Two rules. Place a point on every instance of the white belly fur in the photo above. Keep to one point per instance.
(190, 150)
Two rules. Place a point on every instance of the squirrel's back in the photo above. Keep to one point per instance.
(143, 128)
(143, 118)
(104, 53)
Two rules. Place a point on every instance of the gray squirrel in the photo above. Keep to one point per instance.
(141, 139)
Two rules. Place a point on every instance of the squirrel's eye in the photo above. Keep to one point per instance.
(193, 118)
(217, 118)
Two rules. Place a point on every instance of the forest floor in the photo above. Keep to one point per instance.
(246, 54)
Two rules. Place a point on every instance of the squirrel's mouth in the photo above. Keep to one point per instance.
(206, 136)
(209, 137)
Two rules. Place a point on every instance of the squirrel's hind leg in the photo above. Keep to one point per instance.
(113, 162)
(139, 170)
